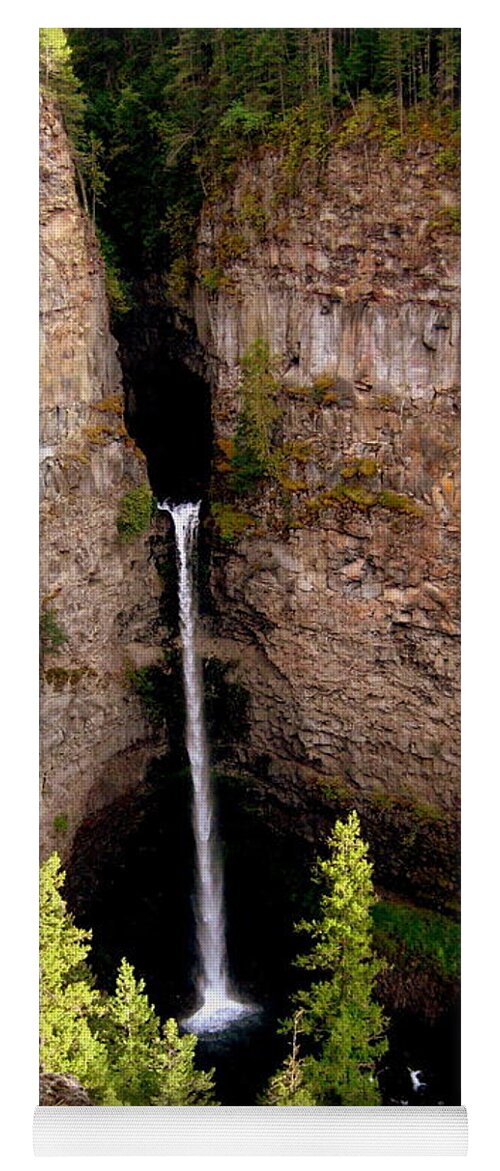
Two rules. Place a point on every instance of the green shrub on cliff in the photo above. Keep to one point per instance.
(252, 444)
(230, 522)
(52, 635)
(135, 512)
(117, 289)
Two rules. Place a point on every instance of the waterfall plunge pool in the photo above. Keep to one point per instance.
(129, 878)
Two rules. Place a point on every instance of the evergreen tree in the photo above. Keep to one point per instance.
(113, 1044)
(69, 1005)
(130, 1031)
(179, 1083)
(147, 1066)
(58, 78)
(171, 111)
(339, 1011)
(287, 1087)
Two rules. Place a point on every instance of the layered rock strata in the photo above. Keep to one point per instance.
(99, 596)
(339, 602)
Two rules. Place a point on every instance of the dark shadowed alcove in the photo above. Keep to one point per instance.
(171, 422)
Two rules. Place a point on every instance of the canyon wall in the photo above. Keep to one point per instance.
(99, 596)
(337, 590)
(335, 586)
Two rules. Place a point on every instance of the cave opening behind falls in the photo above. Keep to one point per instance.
(218, 1003)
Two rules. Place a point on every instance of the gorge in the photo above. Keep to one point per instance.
(328, 580)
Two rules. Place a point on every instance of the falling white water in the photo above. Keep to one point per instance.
(219, 1006)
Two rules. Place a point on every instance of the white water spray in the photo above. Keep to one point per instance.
(219, 1006)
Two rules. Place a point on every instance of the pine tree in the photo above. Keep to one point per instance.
(172, 110)
(58, 78)
(339, 1011)
(112, 1044)
(130, 1031)
(147, 1067)
(287, 1087)
(180, 1084)
(69, 1005)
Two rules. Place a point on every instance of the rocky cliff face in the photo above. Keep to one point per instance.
(339, 601)
(98, 596)
(336, 591)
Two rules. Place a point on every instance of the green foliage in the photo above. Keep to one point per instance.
(135, 512)
(447, 220)
(305, 138)
(286, 1087)
(434, 937)
(398, 502)
(417, 848)
(252, 445)
(231, 523)
(226, 699)
(354, 492)
(60, 823)
(376, 119)
(177, 280)
(169, 112)
(148, 1064)
(252, 213)
(148, 684)
(130, 1032)
(114, 1044)
(52, 635)
(448, 159)
(241, 120)
(360, 468)
(339, 1011)
(160, 689)
(384, 120)
(322, 384)
(211, 279)
(247, 469)
(61, 677)
(59, 80)
(180, 1084)
(117, 289)
(69, 1004)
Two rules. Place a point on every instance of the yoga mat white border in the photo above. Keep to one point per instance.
(250, 1130)
(481, 816)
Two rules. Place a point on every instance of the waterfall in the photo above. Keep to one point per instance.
(219, 1006)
